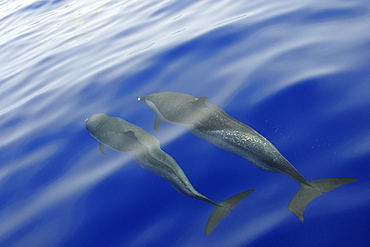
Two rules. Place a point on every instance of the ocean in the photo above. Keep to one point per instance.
(298, 72)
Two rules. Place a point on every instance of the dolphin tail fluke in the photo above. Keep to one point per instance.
(309, 192)
(223, 209)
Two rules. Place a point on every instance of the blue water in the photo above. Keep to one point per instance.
(296, 71)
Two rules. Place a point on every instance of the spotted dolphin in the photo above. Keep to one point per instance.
(214, 125)
(125, 137)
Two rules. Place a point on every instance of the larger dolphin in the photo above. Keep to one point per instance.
(214, 125)
(125, 137)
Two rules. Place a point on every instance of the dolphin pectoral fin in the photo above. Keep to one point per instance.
(101, 148)
(223, 209)
(157, 123)
(200, 101)
(307, 193)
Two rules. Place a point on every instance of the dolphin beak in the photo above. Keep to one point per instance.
(141, 99)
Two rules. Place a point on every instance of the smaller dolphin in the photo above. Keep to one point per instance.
(125, 137)
(214, 125)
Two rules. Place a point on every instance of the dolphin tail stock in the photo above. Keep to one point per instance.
(314, 189)
(223, 209)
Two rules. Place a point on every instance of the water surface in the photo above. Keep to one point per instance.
(297, 72)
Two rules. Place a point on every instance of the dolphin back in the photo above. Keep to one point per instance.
(120, 135)
(178, 108)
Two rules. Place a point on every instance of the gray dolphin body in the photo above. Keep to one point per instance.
(125, 137)
(214, 125)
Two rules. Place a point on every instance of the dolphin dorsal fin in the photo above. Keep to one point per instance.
(101, 148)
(130, 134)
(200, 101)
